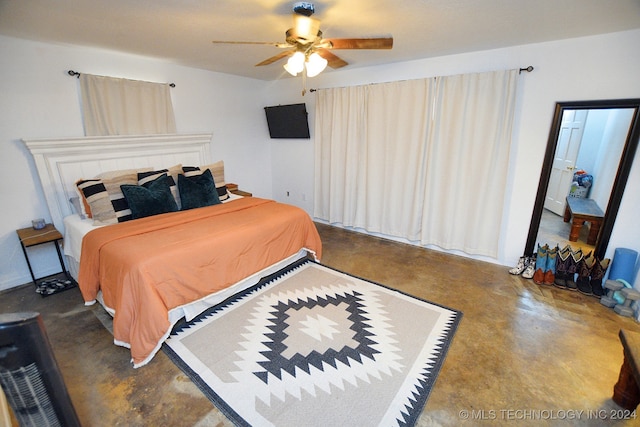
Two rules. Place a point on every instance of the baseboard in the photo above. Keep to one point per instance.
(12, 281)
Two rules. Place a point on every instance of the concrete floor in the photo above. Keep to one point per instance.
(523, 354)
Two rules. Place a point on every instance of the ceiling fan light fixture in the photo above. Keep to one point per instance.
(315, 64)
(295, 64)
(306, 49)
(305, 29)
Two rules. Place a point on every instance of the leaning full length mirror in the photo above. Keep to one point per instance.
(589, 154)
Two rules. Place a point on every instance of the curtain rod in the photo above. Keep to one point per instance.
(77, 74)
(527, 69)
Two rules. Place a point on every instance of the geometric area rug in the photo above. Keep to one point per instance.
(310, 345)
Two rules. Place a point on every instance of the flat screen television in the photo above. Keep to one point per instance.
(288, 121)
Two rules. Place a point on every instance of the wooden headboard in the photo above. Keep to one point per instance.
(61, 162)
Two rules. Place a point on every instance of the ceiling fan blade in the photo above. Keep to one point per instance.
(276, 44)
(275, 58)
(364, 43)
(333, 60)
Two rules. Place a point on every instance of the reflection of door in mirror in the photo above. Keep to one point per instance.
(564, 160)
(591, 143)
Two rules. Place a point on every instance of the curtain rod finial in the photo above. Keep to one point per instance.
(527, 69)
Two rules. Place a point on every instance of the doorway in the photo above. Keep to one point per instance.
(565, 159)
(568, 148)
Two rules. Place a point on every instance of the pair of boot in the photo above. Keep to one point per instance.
(525, 266)
(545, 268)
(591, 271)
(567, 266)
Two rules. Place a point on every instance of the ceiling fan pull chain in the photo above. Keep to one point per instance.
(304, 82)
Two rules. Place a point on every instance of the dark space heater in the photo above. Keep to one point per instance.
(29, 374)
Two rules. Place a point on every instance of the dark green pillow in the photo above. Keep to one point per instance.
(197, 191)
(151, 199)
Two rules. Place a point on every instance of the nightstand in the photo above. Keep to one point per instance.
(233, 188)
(49, 234)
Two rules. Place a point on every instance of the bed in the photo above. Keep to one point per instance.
(151, 271)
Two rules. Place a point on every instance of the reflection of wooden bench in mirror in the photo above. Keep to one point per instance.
(581, 210)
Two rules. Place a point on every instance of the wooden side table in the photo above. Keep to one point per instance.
(233, 188)
(49, 234)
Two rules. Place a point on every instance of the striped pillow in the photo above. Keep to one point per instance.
(85, 208)
(117, 173)
(217, 170)
(107, 204)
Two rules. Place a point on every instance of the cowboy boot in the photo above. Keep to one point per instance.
(597, 274)
(541, 264)
(562, 263)
(530, 267)
(520, 266)
(550, 272)
(575, 259)
(584, 274)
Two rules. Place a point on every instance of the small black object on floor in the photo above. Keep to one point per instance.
(55, 284)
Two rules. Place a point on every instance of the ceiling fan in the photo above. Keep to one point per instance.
(308, 50)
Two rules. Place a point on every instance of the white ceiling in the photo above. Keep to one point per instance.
(181, 31)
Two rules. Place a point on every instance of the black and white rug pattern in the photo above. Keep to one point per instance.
(314, 346)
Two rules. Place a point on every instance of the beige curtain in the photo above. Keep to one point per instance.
(114, 106)
(425, 160)
(370, 156)
(467, 161)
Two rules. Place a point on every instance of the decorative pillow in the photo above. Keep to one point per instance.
(217, 170)
(84, 205)
(115, 174)
(145, 177)
(85, 209)
(152, 199)
(106, 202)
(197, 191)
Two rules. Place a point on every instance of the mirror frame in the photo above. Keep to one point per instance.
(624, 167)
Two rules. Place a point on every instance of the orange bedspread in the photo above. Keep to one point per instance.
(149, 266)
